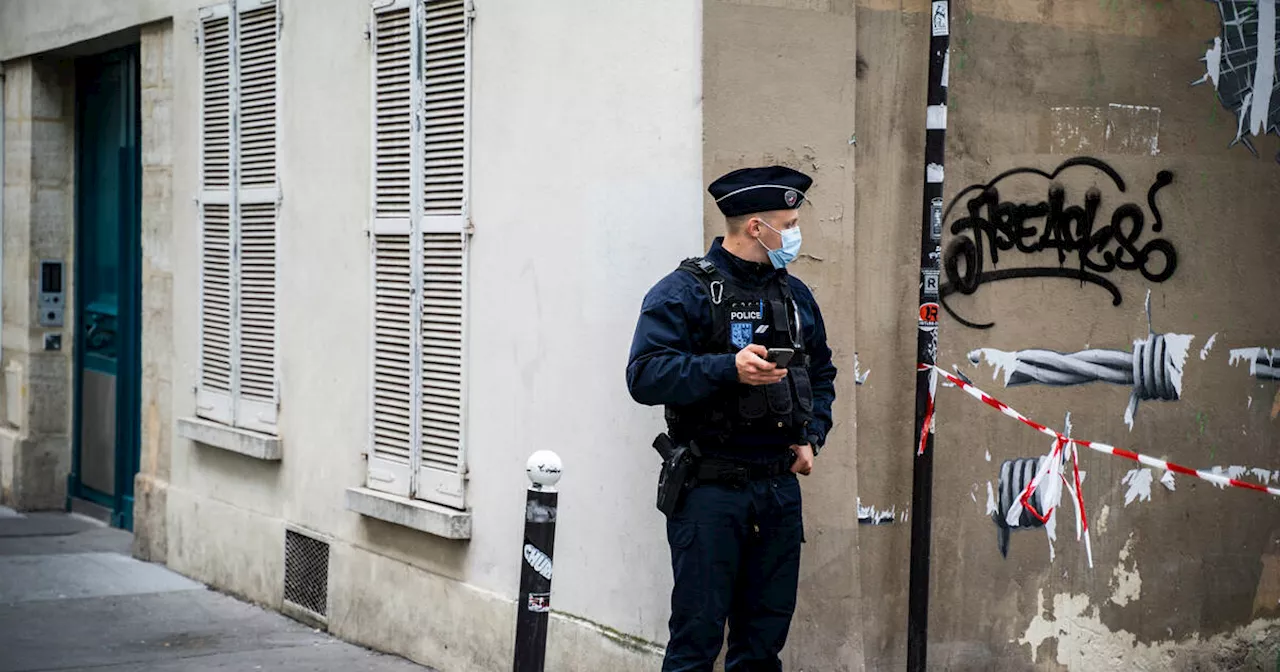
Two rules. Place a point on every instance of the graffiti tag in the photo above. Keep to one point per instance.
(992, 226)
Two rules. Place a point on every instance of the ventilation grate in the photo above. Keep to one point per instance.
(306, 573)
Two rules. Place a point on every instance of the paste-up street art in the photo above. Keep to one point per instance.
(1153, 370)
(1015, 476)
(1060, 470)
(870, 515)
(1208, 345)
(1139, 482)
(1029, 491)
(991, 226)
(1264, 363)
(1242, 67)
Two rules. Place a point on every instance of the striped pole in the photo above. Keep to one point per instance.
(927, 335)
(534, 605)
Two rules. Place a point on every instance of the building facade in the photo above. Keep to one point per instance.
(293, 289)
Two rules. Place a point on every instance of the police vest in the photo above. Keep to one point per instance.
(741, 316)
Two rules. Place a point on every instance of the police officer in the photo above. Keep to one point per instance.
(735, 348)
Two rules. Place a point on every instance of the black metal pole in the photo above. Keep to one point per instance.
(534, 605)
(927, 337)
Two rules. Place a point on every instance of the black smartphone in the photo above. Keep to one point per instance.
(780, 356)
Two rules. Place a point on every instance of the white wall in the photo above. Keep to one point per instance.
(587, 174)
(586, 189)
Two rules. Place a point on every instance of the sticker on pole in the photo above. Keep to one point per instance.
(929, 283)
(928, 316)
(538, 561)
(540, 602)
(940, 19)
(935, 219)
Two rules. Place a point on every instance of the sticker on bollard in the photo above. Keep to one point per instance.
(538, 561)
(543, 470)
(540, 602)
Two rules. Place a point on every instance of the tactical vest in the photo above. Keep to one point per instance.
(741, 316)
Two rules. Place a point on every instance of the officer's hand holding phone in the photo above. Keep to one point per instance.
(754, 370)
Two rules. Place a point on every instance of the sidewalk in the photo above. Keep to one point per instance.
(72, 598)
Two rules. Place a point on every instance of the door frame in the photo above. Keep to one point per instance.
(129, 318)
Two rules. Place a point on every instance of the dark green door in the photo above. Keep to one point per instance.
(108, 286)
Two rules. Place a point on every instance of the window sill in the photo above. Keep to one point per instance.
(243, 441)
(433, 519)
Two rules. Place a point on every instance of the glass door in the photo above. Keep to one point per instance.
(107, 282)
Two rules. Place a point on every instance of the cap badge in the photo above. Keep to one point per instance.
(790, 197)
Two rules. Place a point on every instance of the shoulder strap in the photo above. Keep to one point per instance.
(793, 320)
(713, 283)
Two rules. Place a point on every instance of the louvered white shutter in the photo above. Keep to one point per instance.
(421, 54)
(239, 202)
(395, 333)
(217, 215)
(445, 69)
(259, 194)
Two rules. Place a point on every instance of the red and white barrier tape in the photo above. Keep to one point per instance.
(987, 399)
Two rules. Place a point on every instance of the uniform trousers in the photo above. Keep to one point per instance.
(735, 557)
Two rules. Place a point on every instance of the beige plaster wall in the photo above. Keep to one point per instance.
(764, 105)
(1182, 579)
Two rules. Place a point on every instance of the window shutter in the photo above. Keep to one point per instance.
(394, 402)
(445, 69)
(421, 58)
(217, 215)
(259, 194)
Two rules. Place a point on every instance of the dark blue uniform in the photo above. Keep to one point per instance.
(735, 549)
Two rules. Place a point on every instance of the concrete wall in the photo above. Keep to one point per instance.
(764, 105)
(1184, 580)
(35, 444)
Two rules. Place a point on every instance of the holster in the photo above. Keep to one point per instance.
(678, 474)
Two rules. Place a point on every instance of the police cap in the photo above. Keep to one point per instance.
(750, 190)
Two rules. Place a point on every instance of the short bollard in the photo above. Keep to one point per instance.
(534, 605)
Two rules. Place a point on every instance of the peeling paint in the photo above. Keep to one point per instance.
(1084, 642)
(1126, 584)
(1167, 481)
(991, 499)
(1103, 518)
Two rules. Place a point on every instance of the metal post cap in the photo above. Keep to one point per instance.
(543, 468)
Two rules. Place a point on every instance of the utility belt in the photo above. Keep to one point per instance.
(684, 467)
(738, 474)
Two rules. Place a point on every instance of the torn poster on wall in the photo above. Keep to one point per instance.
(990, 226)
(1242, 65)
(1264, 363)
(1153, 370)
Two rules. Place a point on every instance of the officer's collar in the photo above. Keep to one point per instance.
(738, 268)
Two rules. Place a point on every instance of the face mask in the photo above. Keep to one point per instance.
(790, 246)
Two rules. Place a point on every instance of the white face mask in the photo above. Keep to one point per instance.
(790, 246)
